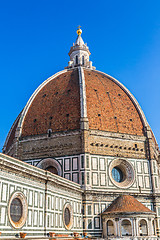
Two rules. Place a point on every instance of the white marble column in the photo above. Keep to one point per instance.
(135, 233)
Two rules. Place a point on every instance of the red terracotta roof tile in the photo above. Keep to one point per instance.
(56, 106)
(126, 204)
(108, 107)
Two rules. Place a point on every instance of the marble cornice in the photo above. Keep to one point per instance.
(24, 169)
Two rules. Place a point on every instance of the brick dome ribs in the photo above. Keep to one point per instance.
(56, 106)
(108, 107)
(86, 142)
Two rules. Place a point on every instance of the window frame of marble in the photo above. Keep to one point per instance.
(127, 170)
(69, 207)
(23, 200)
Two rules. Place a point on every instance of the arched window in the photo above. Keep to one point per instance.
(126, 228)
(50, 165)
(143, 228)
(52, 169)
(76, 59)
(82, 60)
(110, 228)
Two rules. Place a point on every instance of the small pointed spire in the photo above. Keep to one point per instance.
(79, 40)
(79, 53)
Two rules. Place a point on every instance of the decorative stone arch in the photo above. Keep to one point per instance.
(50, 162)
(126, 227)
(143, 227)
(110, 228)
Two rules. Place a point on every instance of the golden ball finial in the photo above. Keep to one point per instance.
(79, 31)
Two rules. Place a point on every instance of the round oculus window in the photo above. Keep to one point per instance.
(121, 173)
(17, 210)
(117, 174)
(68, 216)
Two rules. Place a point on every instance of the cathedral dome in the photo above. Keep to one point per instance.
(79, 97)
(85, 140)
(56, 105)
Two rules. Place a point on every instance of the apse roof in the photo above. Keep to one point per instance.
(126, 204)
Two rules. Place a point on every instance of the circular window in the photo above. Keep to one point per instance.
(68, 216)
(117, 174)
(17, 210)
(121, 173)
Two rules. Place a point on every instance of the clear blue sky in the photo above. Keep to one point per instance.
(35, 38)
